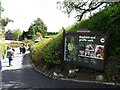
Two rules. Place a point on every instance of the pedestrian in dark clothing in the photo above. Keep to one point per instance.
(20, 50)
(0, 61)
(23, 50)
(9, 56)
(13, 51)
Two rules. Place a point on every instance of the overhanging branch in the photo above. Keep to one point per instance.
(88, 10)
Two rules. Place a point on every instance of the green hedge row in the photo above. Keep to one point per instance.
(106, 20)
(53, 52)
(36, 49)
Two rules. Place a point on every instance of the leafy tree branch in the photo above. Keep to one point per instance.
(80, 7)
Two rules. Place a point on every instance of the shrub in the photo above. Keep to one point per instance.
(15, 44)
(37, 49)
(26, 41)
(52, 53)
(103, 21)
(106, 20)
(112, 70)
(3, 48)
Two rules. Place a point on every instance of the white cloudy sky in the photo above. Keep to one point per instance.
(24, 12)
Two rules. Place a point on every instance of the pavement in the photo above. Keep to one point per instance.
(16, 62)
(22, 75)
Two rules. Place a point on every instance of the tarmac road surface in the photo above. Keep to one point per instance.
(22, 75)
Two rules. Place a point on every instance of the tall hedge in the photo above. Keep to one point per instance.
(106, 20)
(52, 53)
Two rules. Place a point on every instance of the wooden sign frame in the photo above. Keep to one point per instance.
(86, 48)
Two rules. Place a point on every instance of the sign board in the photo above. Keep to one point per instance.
(86, 48)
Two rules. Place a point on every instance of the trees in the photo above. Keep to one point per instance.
(17, 33)
(3, 21)
(81, 7)
(37, 27)
(30, 34)
(1, 10)
(3, 24)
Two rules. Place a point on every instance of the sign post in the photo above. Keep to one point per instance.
(86, 48)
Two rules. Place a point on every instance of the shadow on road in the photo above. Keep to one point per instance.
(28, 77)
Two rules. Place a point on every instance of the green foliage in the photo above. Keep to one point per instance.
(103, 21)
(2, 35)
(106, 20)
(52, 53)
(37, 49)
(30, 34)
(3, 48)
(15, 44)
(37, 26)
(112, 71)
(81, 7)
(17, 33)
(27, 41)
(3, 21)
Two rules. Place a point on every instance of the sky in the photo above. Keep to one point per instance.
(24, 12)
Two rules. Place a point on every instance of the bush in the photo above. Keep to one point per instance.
(112, 70)
(37, 48)
(3, 48)
(26, 41)
(15, 44)
(52, 53)
(103, 21)
(106, 20)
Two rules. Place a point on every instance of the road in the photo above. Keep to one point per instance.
(23, 75)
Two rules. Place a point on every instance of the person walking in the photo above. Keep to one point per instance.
(20, 49)
(0, 61)
(23, 50)
(13, 50)
(3, 49)
(9, 55)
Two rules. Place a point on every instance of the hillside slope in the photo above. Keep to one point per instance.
(106, 20)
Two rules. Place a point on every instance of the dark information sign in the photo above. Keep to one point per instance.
(86, 48)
